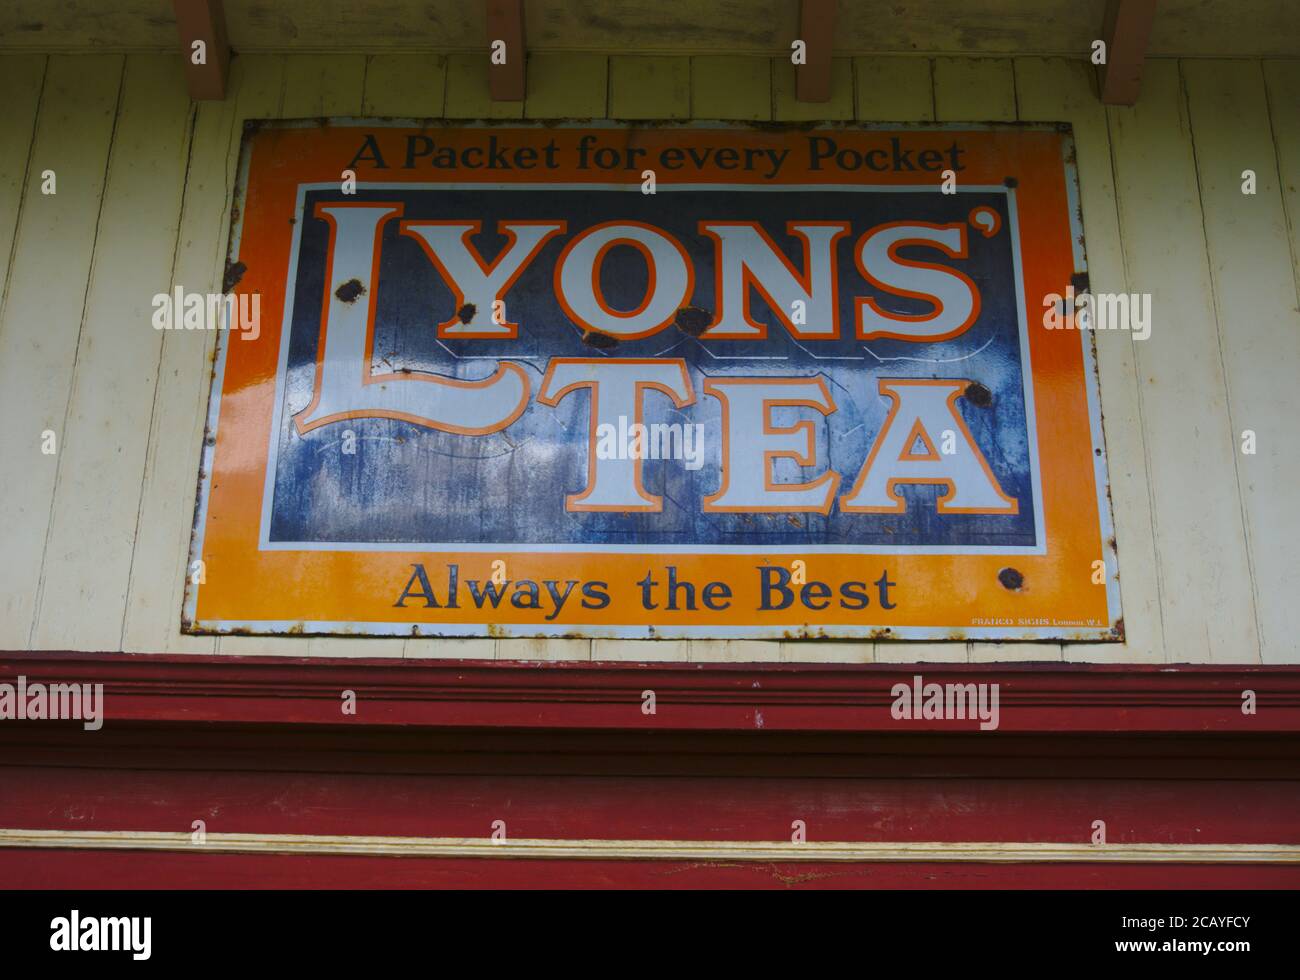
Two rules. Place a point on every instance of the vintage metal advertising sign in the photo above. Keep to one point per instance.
(691, 381)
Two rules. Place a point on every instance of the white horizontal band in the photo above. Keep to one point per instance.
(1016, 852)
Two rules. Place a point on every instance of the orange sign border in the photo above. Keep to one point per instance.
(951, 596)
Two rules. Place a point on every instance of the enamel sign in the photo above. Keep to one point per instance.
(692, 381)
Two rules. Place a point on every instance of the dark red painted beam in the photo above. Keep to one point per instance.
(817, 31)
(1189, 789)
(562, 752)
(505, 24)
(126, 869)
(410, 751)
(204, 20)
(351, 799)
(1126, 31)
(1033, 698)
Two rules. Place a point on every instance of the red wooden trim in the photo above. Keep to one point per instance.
(562, 751)
(267, 785)
(122, 869)
(505, 22)
(204, 20)
(1034, 698)
(354, 800)
(532, 753)
(1126, 31)
(817, 31)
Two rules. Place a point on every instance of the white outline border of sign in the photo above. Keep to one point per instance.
(1026, 376)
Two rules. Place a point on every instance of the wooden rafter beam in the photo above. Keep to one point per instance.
(206, 67)
(817, 31)
(1126, 31)
(506, 54)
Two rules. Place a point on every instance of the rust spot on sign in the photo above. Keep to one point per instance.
(234, 272)
(979, 395)
(466, 313)
(350, 290)
(1011, 579)
(692, 320)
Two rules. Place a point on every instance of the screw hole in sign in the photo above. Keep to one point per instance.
(986, 221)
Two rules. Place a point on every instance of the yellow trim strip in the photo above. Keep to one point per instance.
(659, 850)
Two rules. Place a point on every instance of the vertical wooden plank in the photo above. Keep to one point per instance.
(321, 85)
(1057, 90)
(921, 651)
(562, 86)
(81, 600)
(405, 85)
(388, 83)
(735, 651)
(989, 652)
(41, 318)
(317, 85)
(1283, 80)
(428, 648)
(639, 88)
(180, 401)
(893, 89)
(641, 651)
(544, 649)
(424, 648)
(567, 85)
(1258, 310)
(1205, 593)
(974, 90)
(649, 87)
(719, 95)
(21, 78)
(983, 90)
(310, 88)
(731, 87)
(467, 91)
(828, 652)
(786, 105)
(414, 86)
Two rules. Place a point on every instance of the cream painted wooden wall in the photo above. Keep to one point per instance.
(94, 538)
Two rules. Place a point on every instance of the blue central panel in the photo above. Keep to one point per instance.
(409, 485)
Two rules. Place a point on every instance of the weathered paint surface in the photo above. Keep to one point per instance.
(1151, 400)
(863, 413)
(1188, 28)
